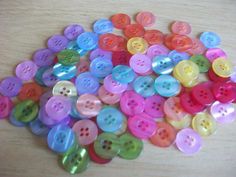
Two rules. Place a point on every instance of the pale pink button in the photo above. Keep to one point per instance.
(113, 86)
(154, 106)
(86, 131)
(108, 97)
(26, 70)
(140, 63)
(214, 53)
(156, 50)
(197, 48)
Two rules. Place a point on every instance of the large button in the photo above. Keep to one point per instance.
(202, 62)
(64, 88)
(121, 58)
(224, 92)
(184, 122)
(145, 19)
(107, 97)
(154, 37)
(101, 67)
(109, 119)
(176, 57)
(113, 86)
(48, 78)
(210, 39)
(6, 106)
(123, 74)
(57, 42)
(26, 70)
(96, 158)
(134, 30)
(102, 26)
(131, 147)
(214, 53)
(180, 27)
(157, 49)
(30, 91)
(222, 67)
(137, 45)
(154, 106)
(68, 57)
(38, 128)
(43, 57)
(72, 31)
(162, 65)
(140, 63)
(120, 20)
(100, 53)
(87, 40)
(63, 72)
(144, 85)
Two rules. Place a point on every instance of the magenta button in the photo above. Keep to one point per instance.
(5, 106)
(154, 106)
(214, 53)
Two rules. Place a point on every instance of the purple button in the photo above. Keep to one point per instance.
(48, 78)
(57, 42)
(113, 86)
(188, 141)
(10, 86)
(72, 31)
(214, 53)
(26, 70)
(45, 97)
(140, 63)
(43, 57)
(223, 112)
(157, 49)
(100, 53)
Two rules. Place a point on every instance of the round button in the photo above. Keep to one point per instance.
(154, 37)
(121, 58)
(107, 97)
(210, 39)
(43, 57)
(180, 27)
(140, 63)
(213, 77)
(180, 124)
(102, 26)
(145, 19)
(72, 45)
(68, 57)
(72, 31)
(57, 42)
(176, 57)
(38, 78)
(113, 86)
(222, 67)
(214, 53)
(154, 106)
(197, 47)
(96, 158)
(134, 30)
(63, 72)
(100, 53)
(123, 74)
(108, 42)
(26, 70)
(224, 92)
(157, 49)
(30, 91)
(137, 45)
(101, 67)
(120, 20)
(202, 62)
(10, 86)
(180, 43)
(144, 85)
(15, 122)
(38, 128)
(87, 40)
(162, 65)
(6, 106)
(48, 78)
(64, 88)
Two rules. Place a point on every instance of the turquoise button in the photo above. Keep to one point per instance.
(73, 46)
(101, 67)
(63, 72)
(162, 64)
(144, 85)
(39, 75)
(123, 74)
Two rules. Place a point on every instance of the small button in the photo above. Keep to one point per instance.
(134, 30)
(101, 67)
(48, 78)
(10, 86)
(6, 106)
(72, 31)
(197, 47)
(224, 92)
(38, 128)
(145, 19)
(180, 27)
(180, 124)
(120, 20)
(137, 45)
(43, 57)
(64, 88)
(96, 158)
(144, 85)
(176, 57)
(113, 86)
(103, 26)
(157, 49)
(123, 74)
(31, 91)
(164, 136)
(15, 122)
(107, 97)
(202, 62)
(140, 63)
(210, 39)
(68, 57)
(214, 53)
(26, 70)
(100, 53)
(57, 42)
(87, 40)
(162, 64)
(213, 77)
(222, 67)
(154, 106)
(121, 58)
(154, 37)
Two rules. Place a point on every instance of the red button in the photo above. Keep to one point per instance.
(134, 30)
(122, 43)
(181, 43)
(120, 21)
(224, 92)
(121, 58)
(154, 37)
(30, 91)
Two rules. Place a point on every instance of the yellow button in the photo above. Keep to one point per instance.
(222, 67)
(204, 124)
(137, 45)
(64, 88)
(183, 123)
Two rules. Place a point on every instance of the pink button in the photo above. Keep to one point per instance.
(188, 141)
(113, 86)
(154, 106)
(5, 106)
(142, 127)
(180, 27)
(83, 66)
(88, 105)
(157, 49)
(140, 63)
(197, 48)
(26, 70)
(132, 103)
(214, 53)
(86, 131)
(107, 97)
(223, 112)
(224, 92)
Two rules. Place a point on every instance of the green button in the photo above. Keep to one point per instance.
(68, 57)
(26, 111)
(131, 147)
(76, 160)
(107, 145)
(202, 62)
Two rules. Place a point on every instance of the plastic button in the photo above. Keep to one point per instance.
(108, 42)
(162, 65)
(10, 86)
(180, 27)
(197, 47)
(202, 62)
(120, 20)
(121, 58)
(96, 158)
(134, 30)
(26, 70)
(144, 85)
(154, 37)
(38, 128)
(102, 26)
(137, 45)
(145, 19)
(43, 57)
(72, 45)
(176, 57)
(213, 77)
(100, 53)
(214, 53)
(68, 57)
(57, 42)
(113, 86)
(123, 74)
(140, 63)
(222, 67)
(30, 91)
(154, 106)
(101, 67)
(184, 122)
(48, 78)
(63, 72)
(64, 88)
(87, 40)
(6, 106)
(157, 49)
(15, 122)
(107, 97)
(210, 39)
(72, 31)
(224, 92)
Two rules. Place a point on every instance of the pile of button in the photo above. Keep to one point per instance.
(97, 95)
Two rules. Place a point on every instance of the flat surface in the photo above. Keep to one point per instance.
(24, 27)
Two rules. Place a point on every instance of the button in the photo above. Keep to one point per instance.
(45, 119)
(157, 49)
(87, 40)
(31, 91)
(144, 85)
(181, 43)
(210, 39)
(108, 42)
(224, 92)
(131, 103)
(142, 127)
(167, 86)
(162, 64)
(154, 106)
(188, 141)
(123, 74)
(63, 72)
(76, 160)
(202, 62)
(10, 86)
(113, 86)
(213, 77)
(58, 107)
(164, 136)
(140, 63)
(83, 66)
(43, 57)
(134, 30)
(214, 53)
(107, 145)
(26, 111)
(204, 124)
(222, 67)
(180, 27)
(154, 37)
(123, 128)
(137, 45)
(38, 78)
(121, 58)
(145, 19)
(48, 78)
(72, 31)
(86, 131)
(86, 83)
(96, 158)
(89, 105)
(72, 45)
(184, 122)
(120, 20)
(68, 57)
(6, 106)
(176, 57)
(26, 70)
(38, 128)
(64, 88)
(223, 112)
(197, 47)
(131, 147)
(107, 97)
(101, 67)
(100, 53)
(15, 122)
(57, 42)
(103, 26)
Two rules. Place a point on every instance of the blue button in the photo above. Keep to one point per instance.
(86, 83)
(110, 119)
(167, 86)
(103, 26)
(15, 122)
(144, 85)
(60, 138)
(38, 128)
(176, 57)
(162, 64)
(210, 39)
(72, 45)
(123, 74)
(87, 41)
(101, 67)
(39, 75)
(63, 72)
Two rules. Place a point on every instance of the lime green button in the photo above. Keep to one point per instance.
(26, 111)
(107, 145)
(131, 147)
(76, 160)
(68, 57)
(202, 63)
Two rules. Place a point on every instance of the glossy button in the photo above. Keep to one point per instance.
(113, 86)
(72, 45)
(176, 57)
(68, 57)
(38, 78)
(184, 122)
(107, 97)
(15, 122)
(180, 27)
(154, 106)
(214, 53)
(100, 53)
(57, 42)
(87, 40)
(101, 67)
(123, 74)
(162, 64)
(38, 128)
(197, 47)
(121, 58)
(157, 49)
(63, 72)
(102, 26)
(210, 39)
(96, 158)
(214, 77)
(64, 88)
(137, 45)
(140, 63)
(72, 31)
(48, 78)
(5, 106)
(43, 57)
(202, 62)
(10, 86)
(30, 91)
(134, 30)
(120, 20)
(26, 70)
(222, 67)
(145, 19)
(144, 85)
(154, 37)
(108, 42)
(224, 92)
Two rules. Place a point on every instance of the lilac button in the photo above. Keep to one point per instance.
(48, 78)
(57, 42)
(100, 53)
(72, 31)
(10, 86)
(140, 63)
(43, 57)
(188, 141)
(45, 97)
(113, 86)
(214, 53)
(26, 70)
(156, 50)
(223, 112)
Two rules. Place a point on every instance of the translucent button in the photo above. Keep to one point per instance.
(10, 86)
(108, 97)
(87, 40)
(176, 56)
(222, 67)
(210, 39)
(162, 64)
(144, 85)
(154, 106)
(26, 70)
(137, 45)
(113, 86)
(64, 88)
(123, 74)
(140, 63)
(101, 67)
(102, 26)
(63, 72)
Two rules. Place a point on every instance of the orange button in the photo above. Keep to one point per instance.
(30, 91)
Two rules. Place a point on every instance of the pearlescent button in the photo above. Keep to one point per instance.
(113, 86)
(140, 63)
(123, 74)
(10, 86)
(101, 67)
(64, 88)
(26, 70)
(157, 49)
(63, 72)
(144, 85)
(162, 64)
(154, 106)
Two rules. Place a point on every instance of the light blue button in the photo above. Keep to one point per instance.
(210, 39)
(167, 86)
(176, 57)
(101, 67)
(87, 41)
(39, 75)
(38, 128)
(144, 85)
(72, 45)
(15, 122)
(63, 72)
(110, 119)
(103, 26)
(123, 74)
(162, 64)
